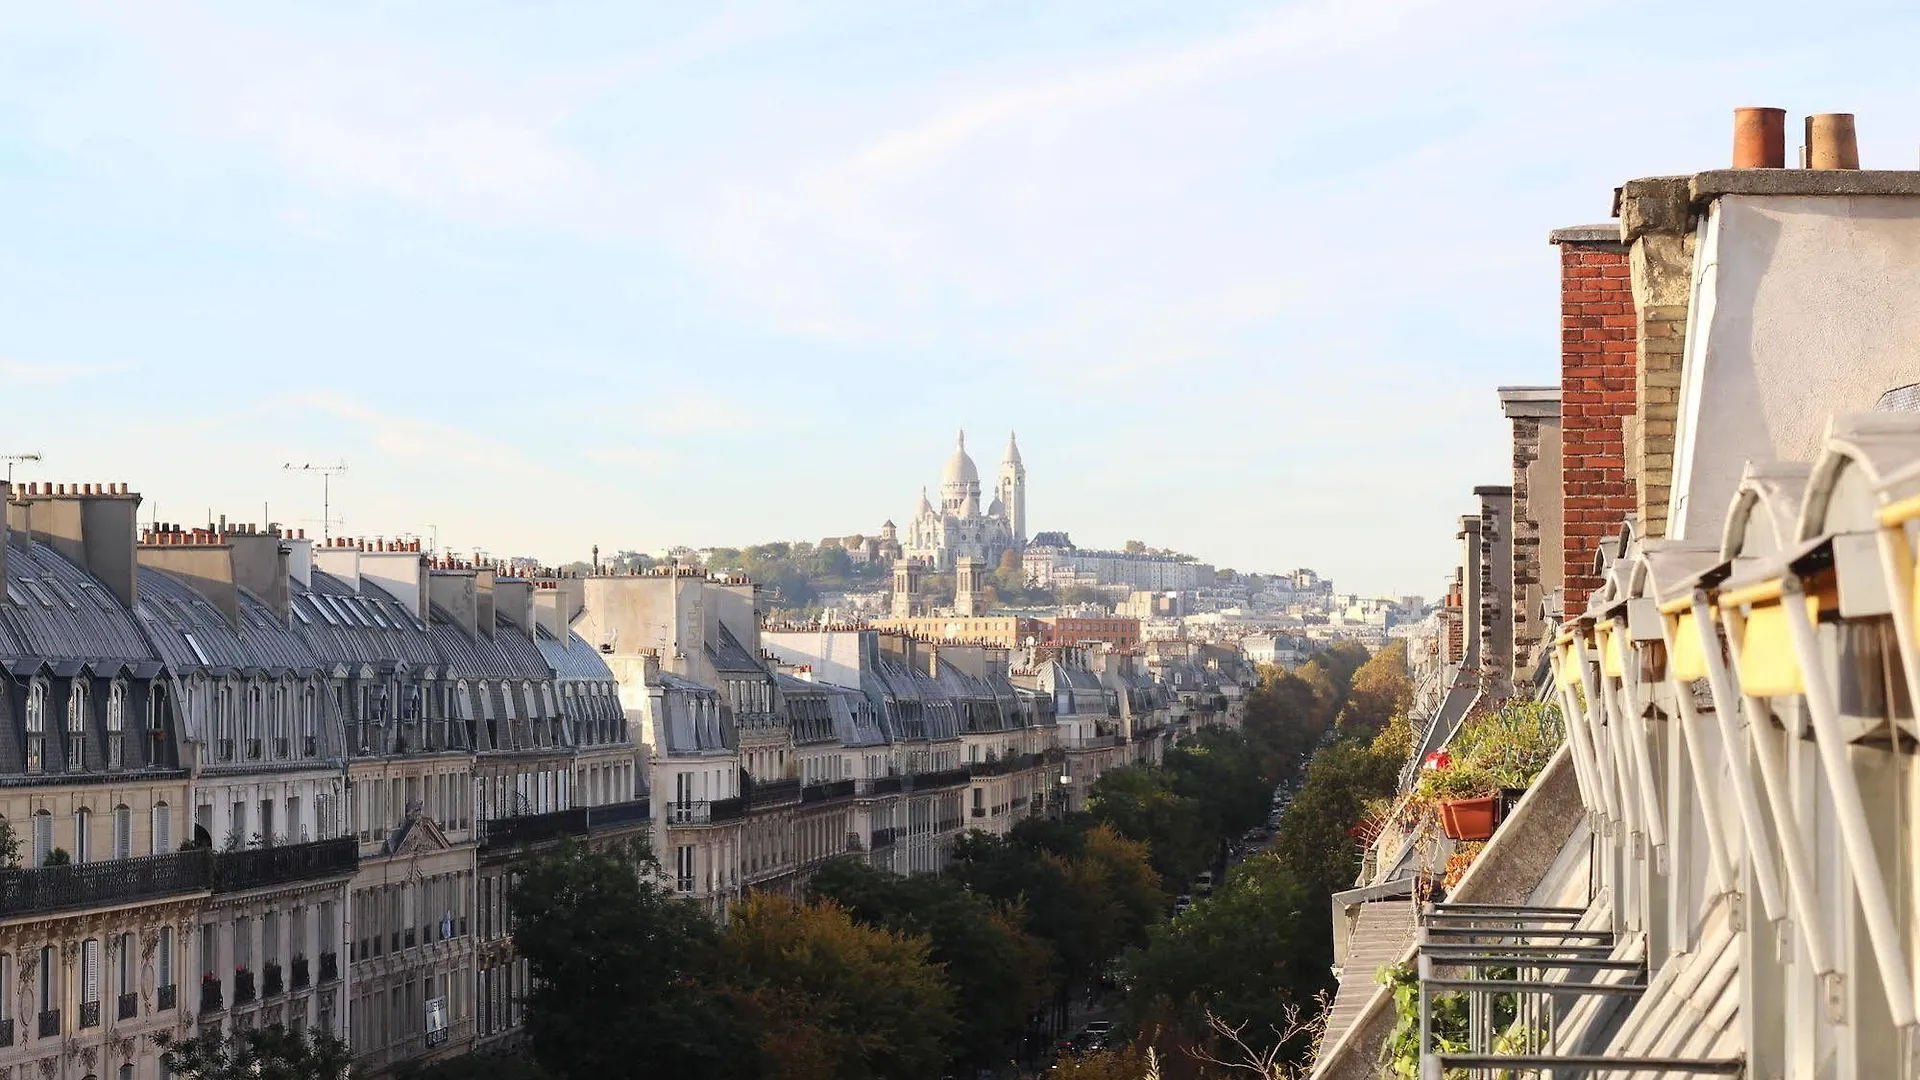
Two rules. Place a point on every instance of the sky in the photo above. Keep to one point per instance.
(1244, 277)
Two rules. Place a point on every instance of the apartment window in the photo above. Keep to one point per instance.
(90, 983)
(251, 723)
(36, 725)
(82, 835)
(156, 722)
(116, 725)
(683, 859)
(42, 836)
(163, 959)
(49, 983)
(77, 727)
(162, 828)
(122, 832)
(126, 977)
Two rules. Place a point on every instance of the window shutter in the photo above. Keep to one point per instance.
(162, 829)
(122, 832)
(42, 838)
(164, 964)
(90, 970)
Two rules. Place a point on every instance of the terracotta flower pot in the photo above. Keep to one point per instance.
(1469, 819)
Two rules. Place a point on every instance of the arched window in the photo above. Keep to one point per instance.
(162, 828)
(77, 725)
(42, 836)
(82, 835)
(36, 726)
(122, 832)
(49, 980)
(116, 724)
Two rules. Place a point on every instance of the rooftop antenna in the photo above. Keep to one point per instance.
(327, 473)
(11, 458)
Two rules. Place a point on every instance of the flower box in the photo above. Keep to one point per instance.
(1470, 819)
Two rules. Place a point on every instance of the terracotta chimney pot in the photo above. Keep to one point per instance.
(1831, 143)
(1759, 138)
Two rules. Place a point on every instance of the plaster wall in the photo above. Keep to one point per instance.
(1802, 307)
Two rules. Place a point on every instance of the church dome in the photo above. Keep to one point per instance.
(960, 468)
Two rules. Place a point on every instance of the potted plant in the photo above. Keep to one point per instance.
(1467, 797)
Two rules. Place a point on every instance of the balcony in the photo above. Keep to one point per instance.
(252, 868)
(272, 980)
(532, 828)
(705, 813)
(884, 838)
(1010, 764)
(78, 886)
(167, 996)
(89, 1014)
(879, 785)
(620, 814)
(827, 792)
(302, 974)
(979, 811)
(243, 989)
(941, 778)
(129, 1007)
(50, 1023)
(1091, 742)
(329, 967)
(764, 794)
(211, 995)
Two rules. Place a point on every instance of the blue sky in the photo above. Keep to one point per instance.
(1243, 276)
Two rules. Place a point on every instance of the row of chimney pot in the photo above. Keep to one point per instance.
(1760, 140)
(37, 487)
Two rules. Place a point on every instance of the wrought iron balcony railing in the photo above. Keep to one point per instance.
(89, 1014)
(940, 778)
(763, 794)
(616, 815)
(166, 997)
(49, 1023)
(212, 997)
(884, 838)
(129, 1006)
(878, 785)
(1012, 763)
(532, 828)
(6, 1031)
(77, 886)
(251, 868)
(827, 792)
(329, 967)
(301, 973)
(243, 987)
(272, 982)
(705, 813)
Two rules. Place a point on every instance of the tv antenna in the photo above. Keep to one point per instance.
(11, 458)
(327, 473)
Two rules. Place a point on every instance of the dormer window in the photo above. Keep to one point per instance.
(116, 725)
(77, 727)
(36, 727)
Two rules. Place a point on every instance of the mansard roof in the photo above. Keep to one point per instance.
(189, 633)
(56, 611)
(726, 653)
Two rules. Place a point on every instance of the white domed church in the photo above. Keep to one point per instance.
(958, 528)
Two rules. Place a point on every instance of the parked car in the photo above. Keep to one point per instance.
(1203, 884)
(1182, 903)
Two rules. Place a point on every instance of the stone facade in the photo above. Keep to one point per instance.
(1654, 220)
(1597, 397)
(1536, 526)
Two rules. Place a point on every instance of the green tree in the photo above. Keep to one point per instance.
(622, 971)
(992, 963)
(1139, 802)
(269, 1053)
(1217, 770)
(1260, 944)
(1315, 839)
(1380, 689)
(1135, 547)
(834, 999)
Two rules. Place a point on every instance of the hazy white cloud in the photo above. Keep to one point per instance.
(41, 374)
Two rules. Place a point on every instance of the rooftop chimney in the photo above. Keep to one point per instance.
(1831, 143)
(341, 559)
(483, 593)
(513, 598)
(400, 571)
(1759, 138)
(453, 592)
(93, 526)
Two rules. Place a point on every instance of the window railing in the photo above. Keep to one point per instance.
(768, 793)
(251, 868)
(166, 997)
(6, 1031)
(329, 967)
(878, 785)
(89, 1014)
(884, 838)
(77, 886)
(129, 1006)
(49, 1023)
(302, 977)
(705, 812)
(312, 745)
(272, 982)
(243, 988)
(939, 778)
(223, 749)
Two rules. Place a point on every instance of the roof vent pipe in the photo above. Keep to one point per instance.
(1831, 143)
(1759, 138)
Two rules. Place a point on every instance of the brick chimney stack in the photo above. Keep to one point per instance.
(1597, 400)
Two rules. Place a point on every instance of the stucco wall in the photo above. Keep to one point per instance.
(1803, 306)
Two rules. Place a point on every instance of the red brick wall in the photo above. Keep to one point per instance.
(1596, 395)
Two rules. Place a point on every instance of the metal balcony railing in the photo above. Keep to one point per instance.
(129, 1006)
(252, 868)
(272, 980)
(532, 828)
(329, 967)
(941, 778)
(89, 1014)
(764, 794)
(705, 812)
(302, 973)
(78, 886)
(49, 1023)
(243, 987)
(212, 998)
(166, 997)
(6, 1031)
(615, 815)
(827, 792)
(1002, 766)
(878, 785)
(884, 838)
